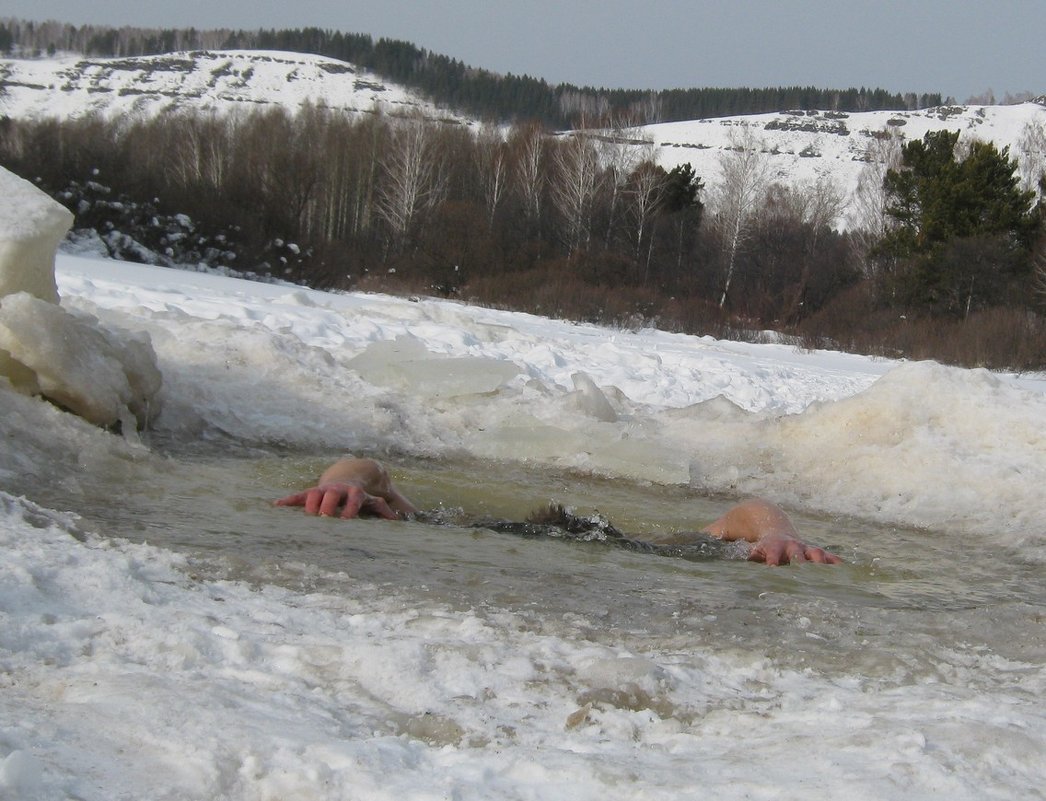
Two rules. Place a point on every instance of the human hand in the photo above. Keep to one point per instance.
(325, 500)
(775, 549)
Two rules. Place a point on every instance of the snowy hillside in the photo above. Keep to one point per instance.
(215, 81)
(802, 146)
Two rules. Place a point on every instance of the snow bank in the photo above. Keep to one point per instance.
(926, 445)
(31, 226)
(105, 376)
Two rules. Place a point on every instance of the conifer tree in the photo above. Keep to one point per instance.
(963, 226)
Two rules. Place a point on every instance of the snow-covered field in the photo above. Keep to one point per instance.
(806, 147)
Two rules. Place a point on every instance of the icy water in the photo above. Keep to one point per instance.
(902, 597)
(404, 656)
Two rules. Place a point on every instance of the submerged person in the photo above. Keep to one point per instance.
(351, 487)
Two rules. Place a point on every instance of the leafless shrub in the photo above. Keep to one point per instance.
(996, 338)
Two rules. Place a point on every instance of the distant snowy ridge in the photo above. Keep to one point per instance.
(218, 81)
(802, 147)
(806, 146)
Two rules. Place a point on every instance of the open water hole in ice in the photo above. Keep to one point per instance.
(902, 598)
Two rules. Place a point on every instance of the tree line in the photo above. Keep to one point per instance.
(447, 81)
(947, 260)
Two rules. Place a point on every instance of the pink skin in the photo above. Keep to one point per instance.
(773, 537)
(353, 486)
(356, 486)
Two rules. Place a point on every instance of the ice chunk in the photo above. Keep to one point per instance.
(31, 226)
(20, 774)
(104, 376)
(407, 364)
(591, 399)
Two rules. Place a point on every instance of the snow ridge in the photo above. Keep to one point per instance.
(218, 81)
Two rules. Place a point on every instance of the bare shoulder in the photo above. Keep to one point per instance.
(751, 520)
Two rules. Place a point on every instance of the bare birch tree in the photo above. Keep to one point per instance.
(339, 141)
(816, 205)
(1038, 266)
(492, 165)
(867, 218)
(620, 154)
(529, 147)
(1032, 155)
(646, 191)
(413, 178)
(574, 186)
(371, 138)
(648, 110)
(745, 175)
(201, 149)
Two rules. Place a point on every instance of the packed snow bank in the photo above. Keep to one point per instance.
(31, 226)
(105, 376)
(926, 445)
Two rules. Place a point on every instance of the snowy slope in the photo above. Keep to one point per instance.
(215, 81)
(805, 146)
(802, 146)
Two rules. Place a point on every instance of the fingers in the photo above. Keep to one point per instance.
(776, 552)
(326, 500)
(783, 552)
(824, 557)
(761, 553)
(298, 499)
(332, 499)
(354, 502)
(313, 500)
(820, 555)
(310, 499)
(795, 552)
(381, 508)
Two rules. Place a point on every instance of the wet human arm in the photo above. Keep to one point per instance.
(773, 536)
(353, 486)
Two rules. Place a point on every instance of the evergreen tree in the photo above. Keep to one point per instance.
(682, 187)
(963, 226)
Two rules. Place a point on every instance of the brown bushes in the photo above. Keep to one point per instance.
(996, 338)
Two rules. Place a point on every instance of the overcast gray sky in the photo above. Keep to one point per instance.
(957, 47)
